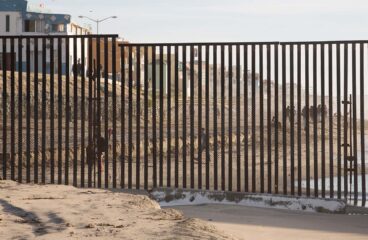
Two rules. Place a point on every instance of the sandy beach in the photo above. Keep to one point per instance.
(63, 212)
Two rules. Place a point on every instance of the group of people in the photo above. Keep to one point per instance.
(314, 114)
(78, 69)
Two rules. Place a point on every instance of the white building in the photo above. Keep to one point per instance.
(18, 18)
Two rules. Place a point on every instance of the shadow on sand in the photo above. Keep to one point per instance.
(40, 228)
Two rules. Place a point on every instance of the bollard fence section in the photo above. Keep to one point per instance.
(258, 117)
(264, 117)
(46, 132)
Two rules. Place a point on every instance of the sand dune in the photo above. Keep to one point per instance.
(63, 212)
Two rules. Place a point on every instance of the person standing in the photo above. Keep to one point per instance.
(203, 145)
(79, 67)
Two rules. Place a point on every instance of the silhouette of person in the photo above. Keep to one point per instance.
(79, 67)
(203, 145)
(75, 69)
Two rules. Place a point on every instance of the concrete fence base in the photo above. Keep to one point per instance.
(174, 197)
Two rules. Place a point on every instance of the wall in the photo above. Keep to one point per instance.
(56, 57)
(15, 23)
(102, 52)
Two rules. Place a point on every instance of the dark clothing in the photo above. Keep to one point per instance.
(90, 154)
(102, 145)
(75, 69)
(203, 146)
(79, 69)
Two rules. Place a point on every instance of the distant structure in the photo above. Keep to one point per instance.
(20, 18)
(17, 17)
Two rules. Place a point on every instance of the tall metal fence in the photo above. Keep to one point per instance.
(280, 118)
(49, 114)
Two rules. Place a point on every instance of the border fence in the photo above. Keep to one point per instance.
(263, 117)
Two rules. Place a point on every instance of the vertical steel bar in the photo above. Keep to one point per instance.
(97, 116)
(52, 110)
(355, 147)
(67, 110)
(246, 131)
(154, 152)
(20, 109)
(130, 118)
(114, 110)
(60, 107)
(261, 118)
(200, 86)
(307, 118)
(35, 108)
(192, 117)
(330, 97)
(146, 118)
(184, 102)
(230, 122)
(90, 72)
(168, 166)
(292, 114)
(122, 133)
(323, 148)
(346, 64)
(5, 110)
(28, 110)
(351, 147)
(338, 100)
(315, 125)
(215, 113)
(138, 119)
(362, 130)
(299, 120)
(238, 140)
(207, 85)
(106, 108)
(269, 123)
(284, 139)
(176, 116)
(222, 117)
(75, 113)
(276, 121)
(83, 84)
(253, 118)
(161, 126)
(12, 110)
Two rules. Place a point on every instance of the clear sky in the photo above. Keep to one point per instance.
(222, 20)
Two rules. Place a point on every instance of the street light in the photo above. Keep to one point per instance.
(98, 21)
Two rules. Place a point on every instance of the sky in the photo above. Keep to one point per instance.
(222, 20)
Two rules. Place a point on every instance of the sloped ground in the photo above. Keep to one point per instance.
(63, 212)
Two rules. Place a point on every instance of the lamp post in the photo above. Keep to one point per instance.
(98, 21)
